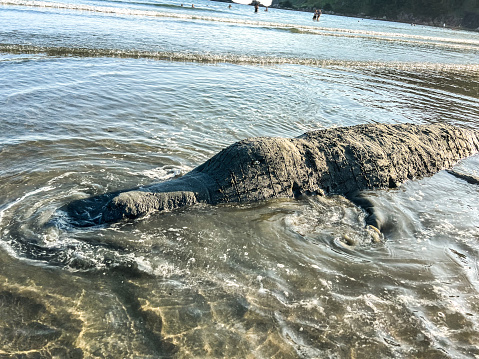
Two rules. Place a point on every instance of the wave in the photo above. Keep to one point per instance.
(32, 231)
(211, 58)
(315, 30)
(129, 11)
(459, 44)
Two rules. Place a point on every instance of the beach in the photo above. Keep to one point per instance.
(106, 96)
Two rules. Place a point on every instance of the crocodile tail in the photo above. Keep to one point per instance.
(134, 204)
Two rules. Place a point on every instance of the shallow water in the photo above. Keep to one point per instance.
(101, 96)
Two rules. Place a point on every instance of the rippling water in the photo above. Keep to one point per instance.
(100, 96)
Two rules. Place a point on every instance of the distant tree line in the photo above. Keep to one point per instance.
(454, 12)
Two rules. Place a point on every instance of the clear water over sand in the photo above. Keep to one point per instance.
(99, 96)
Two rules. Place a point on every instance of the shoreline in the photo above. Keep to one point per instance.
(411, 20)
(449, 21)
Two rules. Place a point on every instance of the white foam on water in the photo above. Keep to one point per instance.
(325, 31)
(19, 200)
(163, 172)
(244, 59)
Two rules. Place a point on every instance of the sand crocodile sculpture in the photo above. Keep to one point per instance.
(343, 160)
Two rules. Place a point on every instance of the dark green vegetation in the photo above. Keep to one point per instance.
(463, 13)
